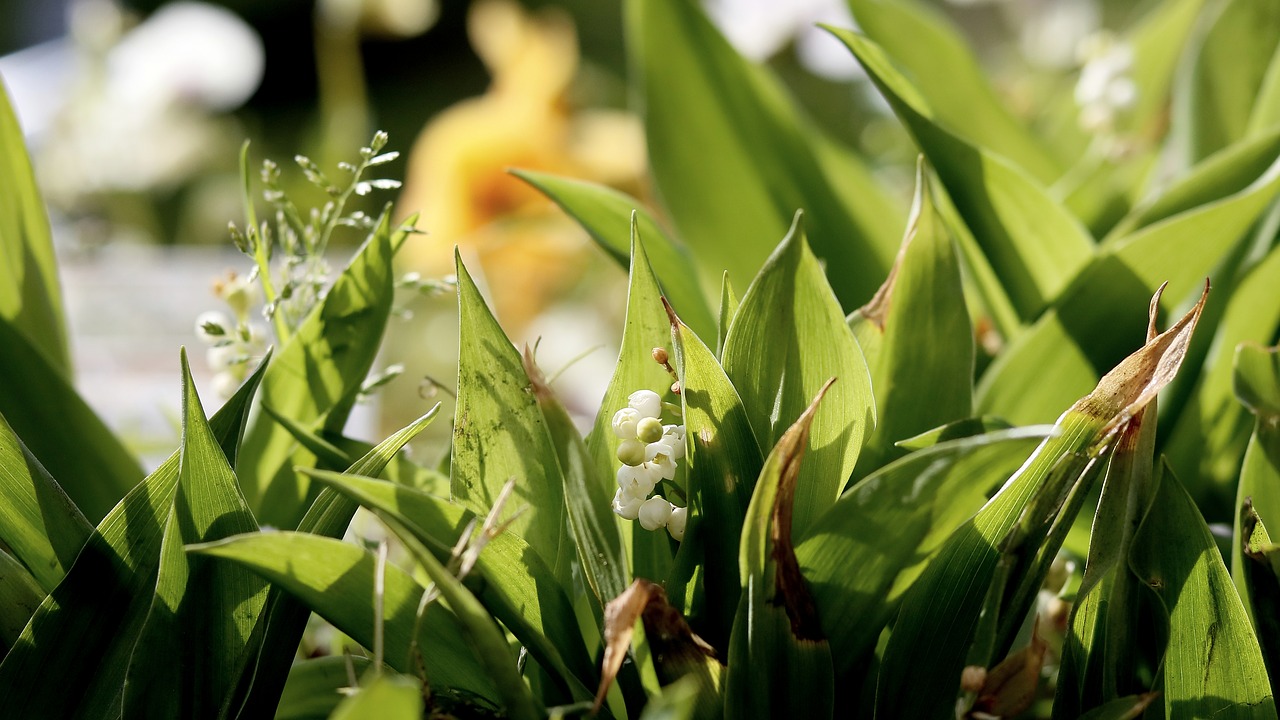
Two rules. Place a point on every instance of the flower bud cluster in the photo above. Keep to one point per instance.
(233, 341)
(649, 452)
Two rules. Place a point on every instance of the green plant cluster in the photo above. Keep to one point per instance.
(926, 472)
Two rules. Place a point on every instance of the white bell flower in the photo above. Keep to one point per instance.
(626, 504)
(676, 523)
(646, 402)
(654, 513)
(639, 480)
(658, 459)
(624, 423)
(631, 452)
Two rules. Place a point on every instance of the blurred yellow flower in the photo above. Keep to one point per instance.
(528, 252)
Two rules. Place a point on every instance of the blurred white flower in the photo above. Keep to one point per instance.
(1050, 31)
(676, 524)
(647, 403)
(1105, 89)
(759, 29)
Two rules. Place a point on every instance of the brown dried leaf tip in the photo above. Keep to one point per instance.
(671, 641)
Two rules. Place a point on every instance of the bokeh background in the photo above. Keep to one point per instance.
(135, 112)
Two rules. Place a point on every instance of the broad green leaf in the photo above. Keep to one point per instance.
(723, 461)
(732, 158)
(44, 410)
(606, 214)
(387, 697)
(1266, 108)
(788, 338)
(499, 433)
(1211, 432)
(336, 579)
(968, 427)
(30, 296)
(486, 640)
(1129, 707)
(285, 616)
(1158, 42)
(1035, 246)
(509, 579)
(587, 499)
(946, 73)
(1228, 73)
(646, 327)
(1102, 646)
(1096, 320)
(1257, 385)
(316, 377)
(20, 596)
(38, 522)
(678, 701)
(314, 686)
(779, 657)
(201, 628)
(89, 625)
(1212, 665)
(922, 365)
(941, 609)
(868, 549)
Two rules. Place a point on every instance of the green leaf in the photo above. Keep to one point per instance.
(918, 325)
(38, 522)
(779, 657)
(728, 309)
(1266, 108)
(1103, 648)
(587, 498)
(286, 617)
(723, 461)
(314, 686)
(942, 608)
(1228, 73)
(788, 338)
(499, 433)
(509, 579)
(389, 697)
(336, 580)
(1210, 434)
(200, 631)
(44, 410)
(1158, 41)
(1096, 321)
(606, 215)
(946, 73)
(1253, 564)
(89, 625)
(20, 596)
(1035, 246)
(316, 377)
(733, 160)
(1212, 665)
(867, 550)
(483, 636)
(30, 296)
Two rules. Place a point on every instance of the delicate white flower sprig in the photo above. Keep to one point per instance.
(233, 340)
(649, 452)
(1105, 90)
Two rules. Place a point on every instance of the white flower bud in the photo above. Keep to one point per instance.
(649, 429)
(624, 423)
(631, 452)
(675, 525)
(627, 505)
(646, 402)
(213, 326)
(654, 513)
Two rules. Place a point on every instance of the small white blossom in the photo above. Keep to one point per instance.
(654, 513)
(624, 423)
(675, 525)
(646, 402)
(1105, 88)
(659, 462)
(225, 384)
(626, 504)
(638, 480)
(222, 357)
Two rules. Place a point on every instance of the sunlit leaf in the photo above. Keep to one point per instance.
(387, 697)
(788, 338)
(731, 157)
